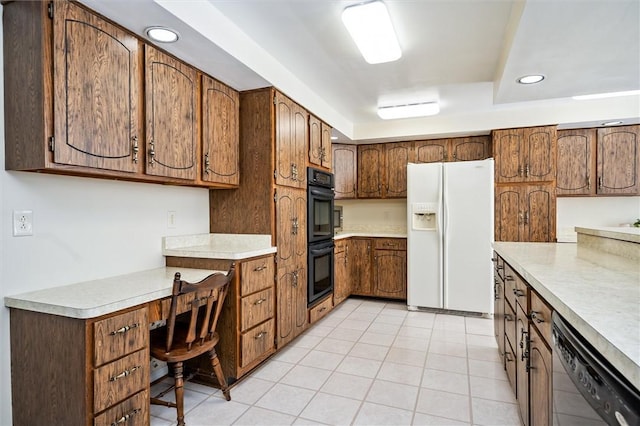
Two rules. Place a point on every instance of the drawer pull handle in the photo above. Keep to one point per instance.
(518, 292)
(535, 316)
(508, 317)
(125, 329)
(260, 335)
(260, 301)
(125, 373)
(499, 267)
(507, 356)
(508, 278)
(126, 417)
(260, 268)
(324, 308)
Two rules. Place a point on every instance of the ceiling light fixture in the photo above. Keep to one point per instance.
(606, 95)
(334, 138)
(162, 34)
(422, 109)
(370, 27)
(530, 79)
(611, 123)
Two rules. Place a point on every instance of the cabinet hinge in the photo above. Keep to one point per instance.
(275, 195)
(50, 10)
(52, 144)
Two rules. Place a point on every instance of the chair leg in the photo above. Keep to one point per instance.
(217, 368)
(177, 372)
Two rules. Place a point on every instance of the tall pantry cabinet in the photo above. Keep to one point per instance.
(271, 198)
(525, 184)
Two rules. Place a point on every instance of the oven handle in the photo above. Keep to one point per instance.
(321, 251)
(324, 193)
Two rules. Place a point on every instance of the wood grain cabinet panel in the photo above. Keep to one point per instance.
(341, 285)
(576, 161)
(618, 160)
(257, 342)
(257, 274)
(397, 155)
(220, 133)
(291, 138)
(432, 151)
(345, 169)
(119, 335)
(470, 148)
(525, 154)
(522, 364)
(130, 412)
(117, 380)
(171, 92)
(257, 308)
(370, 170)
(540, 379)
(319, 143)
(390, 273)
(360, 269)
(525, 213)
(320, 310)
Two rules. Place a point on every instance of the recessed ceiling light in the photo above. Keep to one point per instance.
(370, 27)
(422, 109)
(530, 79)
(162, 34)
(611, 123)
(606, 95)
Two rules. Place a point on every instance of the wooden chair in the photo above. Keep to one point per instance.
(192, 333)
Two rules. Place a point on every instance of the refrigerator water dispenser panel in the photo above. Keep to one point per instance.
(424, 217)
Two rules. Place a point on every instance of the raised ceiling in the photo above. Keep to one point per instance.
(466, 54)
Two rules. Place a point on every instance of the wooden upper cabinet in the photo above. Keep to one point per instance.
(397, 156)
(171, 108)
(220, 133)
(432, 151)
(96, 92)
(345, 170)
(618, 160)
(525, 155)
(291, 142)
(576, 162)
(470, 149)
(319, 143)
(370, 170)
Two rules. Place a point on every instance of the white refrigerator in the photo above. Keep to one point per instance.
(449, 236)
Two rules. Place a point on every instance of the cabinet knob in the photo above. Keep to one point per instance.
(600, 182)
(260, 335)
(259, 301)
(135, 149)
(206, 163)
(152, 153)
(535, 316)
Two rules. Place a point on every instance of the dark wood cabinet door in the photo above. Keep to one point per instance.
(341, 284)
(299, 303)
(540, 380)
(390, 274)
(291, 142)
(370, 167)
(315, 141)
(431, 151)
(498, 312)
(540, 155)
(508, 214)
(97, 91)
(522, 361)
(397, 156)
(539, 213)
(360, 270)
(286, 280)
(345, 164)
(618, 160)
(508, 146)
(326, 146)
(576, 162)
(470, 149)
(291, 225)
(171, 109)
(220, 133)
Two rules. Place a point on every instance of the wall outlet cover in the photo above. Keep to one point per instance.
(22, 223)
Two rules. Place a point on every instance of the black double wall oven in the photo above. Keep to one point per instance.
(320, 196)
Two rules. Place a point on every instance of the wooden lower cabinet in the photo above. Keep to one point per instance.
(527, 347)
(390, 268)
(341, 284)
(247, 323)
(360, 269)
(67, 371)
(292, 303)
(320, 310)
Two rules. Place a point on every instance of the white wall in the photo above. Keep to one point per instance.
(83, 229)
(594, 211)
(374, 214)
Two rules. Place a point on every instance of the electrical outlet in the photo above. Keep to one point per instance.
(22, 223)
(171, 219)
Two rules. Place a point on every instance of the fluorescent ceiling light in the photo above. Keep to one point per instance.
(611, 123)
(530, 79)
(606, 95)
(334, 138)
(162, 34)
(422, 109)
(370, 27)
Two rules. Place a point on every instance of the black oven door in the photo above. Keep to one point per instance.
(319, 214)
(320, 278)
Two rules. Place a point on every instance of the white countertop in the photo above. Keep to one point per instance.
(94, 298)
(596, 292)
(630, 234)
(371, 234)
(218, 246)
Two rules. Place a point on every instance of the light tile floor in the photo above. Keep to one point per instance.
(367, 363)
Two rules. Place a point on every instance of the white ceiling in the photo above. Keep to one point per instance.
(467, 54)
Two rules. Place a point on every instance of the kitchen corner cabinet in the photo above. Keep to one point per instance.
(319, 143)
(371, 166)
(345, 169)
(525, 154)
(291, 136)
(220, 133)
(93, 371)
(171, 89)
(525, 213)
(341, 286)
(390, 268)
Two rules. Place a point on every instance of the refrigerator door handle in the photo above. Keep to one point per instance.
(444, 222)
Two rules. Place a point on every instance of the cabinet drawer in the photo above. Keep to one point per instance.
(130, 412)
(120, 379)
(256, 274)
(498, 265)
(119, 335)
(390, 243)
(522, 293)
(510, 365)
(256, 308)
(510, 324)
(320, 310)
(510, 278)
(340, 245)
(256, 342)
(540, 315)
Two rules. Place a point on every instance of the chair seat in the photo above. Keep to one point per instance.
(179, 352)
